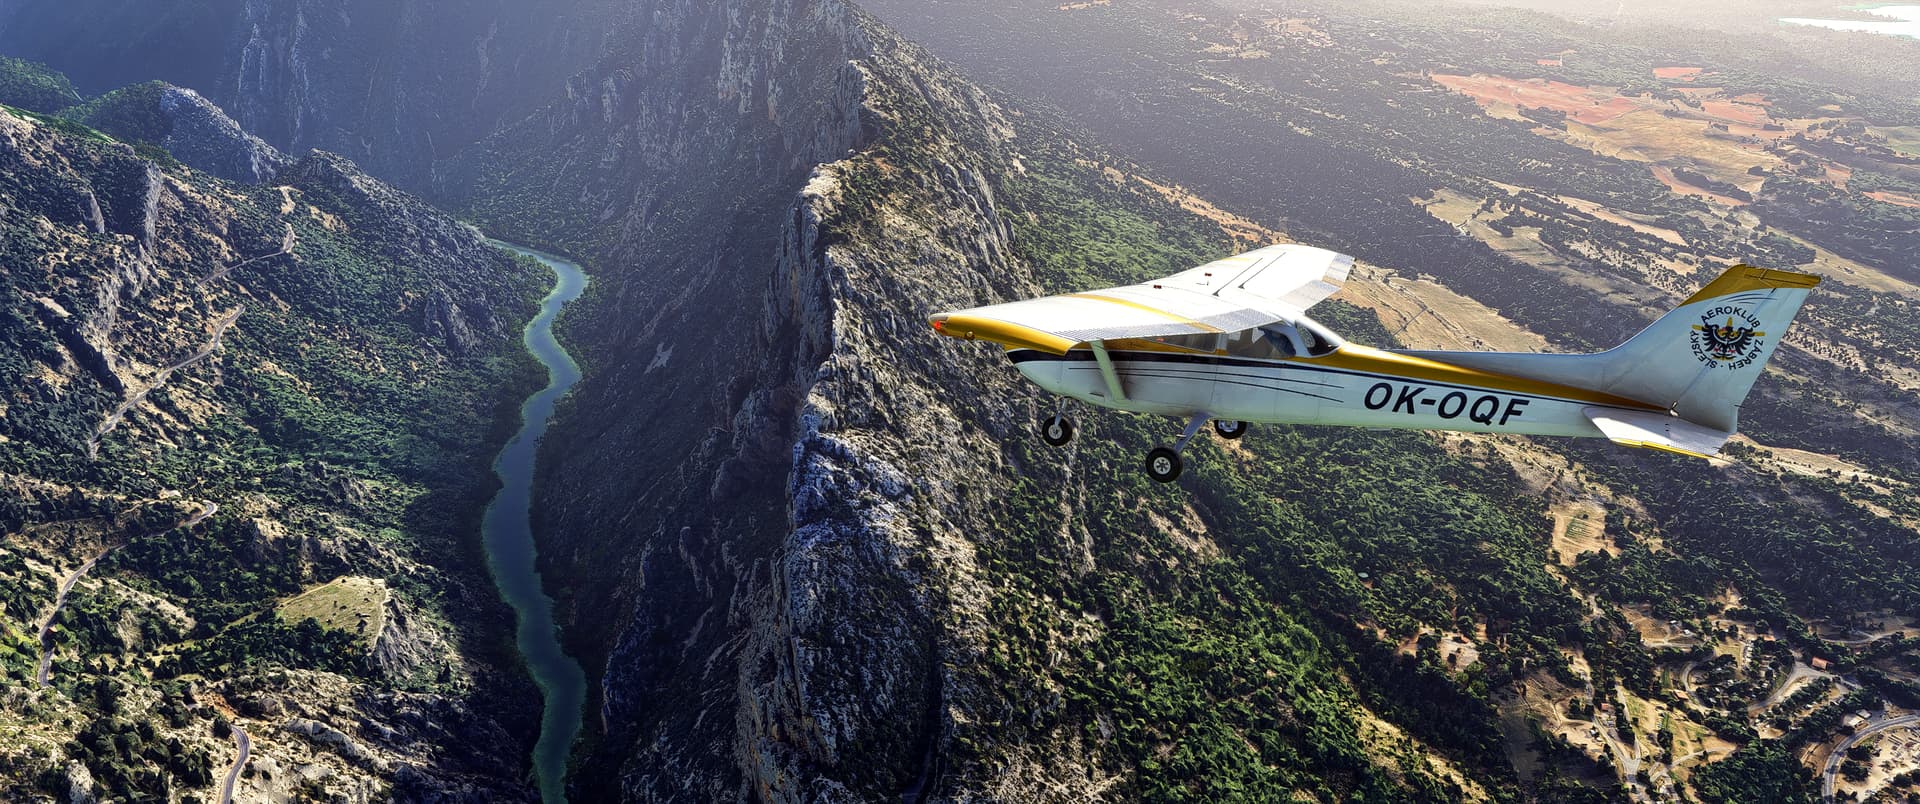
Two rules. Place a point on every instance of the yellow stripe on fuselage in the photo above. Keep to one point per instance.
(1380, 363)
(1375, 361)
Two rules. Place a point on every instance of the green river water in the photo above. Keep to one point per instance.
(508, 534)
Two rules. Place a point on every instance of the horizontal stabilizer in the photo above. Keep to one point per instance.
(1660, 431)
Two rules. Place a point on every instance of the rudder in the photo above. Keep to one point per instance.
(1701, 359)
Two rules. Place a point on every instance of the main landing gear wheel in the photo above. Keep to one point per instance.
(1229, 429)
(1163, 464)
(1057, 430)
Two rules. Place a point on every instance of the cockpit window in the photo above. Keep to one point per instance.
(1264, 343)
(1199, 343)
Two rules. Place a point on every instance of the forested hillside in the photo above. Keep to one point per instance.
(242, 446)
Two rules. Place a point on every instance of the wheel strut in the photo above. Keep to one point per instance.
(1163, 463)
(1057, 430)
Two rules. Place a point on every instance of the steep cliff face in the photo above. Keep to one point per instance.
(218, 397)
(392, 86)
(665, 483)
(872, 601)
(807, 551)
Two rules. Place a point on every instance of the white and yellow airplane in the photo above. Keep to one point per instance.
(1230, 342)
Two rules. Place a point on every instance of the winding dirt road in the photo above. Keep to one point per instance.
(287, 242)
(120, 412)
(211, 509)
(59, 600)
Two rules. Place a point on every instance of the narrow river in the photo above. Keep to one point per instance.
(508, 534)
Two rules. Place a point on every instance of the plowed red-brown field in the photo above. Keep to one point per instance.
(1586, 105)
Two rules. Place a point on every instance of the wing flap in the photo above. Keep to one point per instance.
(1659, 431)
(1299, 277)
(1287, 277)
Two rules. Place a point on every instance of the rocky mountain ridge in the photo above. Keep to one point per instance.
(186, 126)
(809, 551)
(391, 86)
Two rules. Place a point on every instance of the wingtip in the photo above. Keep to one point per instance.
(1008, 334)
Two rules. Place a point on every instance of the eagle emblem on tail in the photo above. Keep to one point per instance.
(1725, 341)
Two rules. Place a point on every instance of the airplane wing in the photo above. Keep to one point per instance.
(1246, 290)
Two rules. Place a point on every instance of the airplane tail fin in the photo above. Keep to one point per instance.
(1699, 360)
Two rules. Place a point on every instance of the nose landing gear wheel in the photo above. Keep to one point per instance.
(1163, 464)
(1229, 429)
(1057, 430)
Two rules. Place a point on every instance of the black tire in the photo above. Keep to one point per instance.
(1163, 465)
(1057, 430)
(1229, 429)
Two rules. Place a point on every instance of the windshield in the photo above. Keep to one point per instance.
(1318, 340)
(1283, 340)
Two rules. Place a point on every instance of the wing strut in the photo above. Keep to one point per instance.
(1106, 370)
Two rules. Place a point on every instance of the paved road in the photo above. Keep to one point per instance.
(245, 744)
(120, 412)
(1827, 778)
(1800, 670)
(59, 600)
(287, 242)
(1628, 761)
(66, 585)
(210, 510)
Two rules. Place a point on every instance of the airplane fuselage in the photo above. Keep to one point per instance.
(1351, 385)
(1230, 342)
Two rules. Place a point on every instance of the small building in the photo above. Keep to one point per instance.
(1817, 663)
